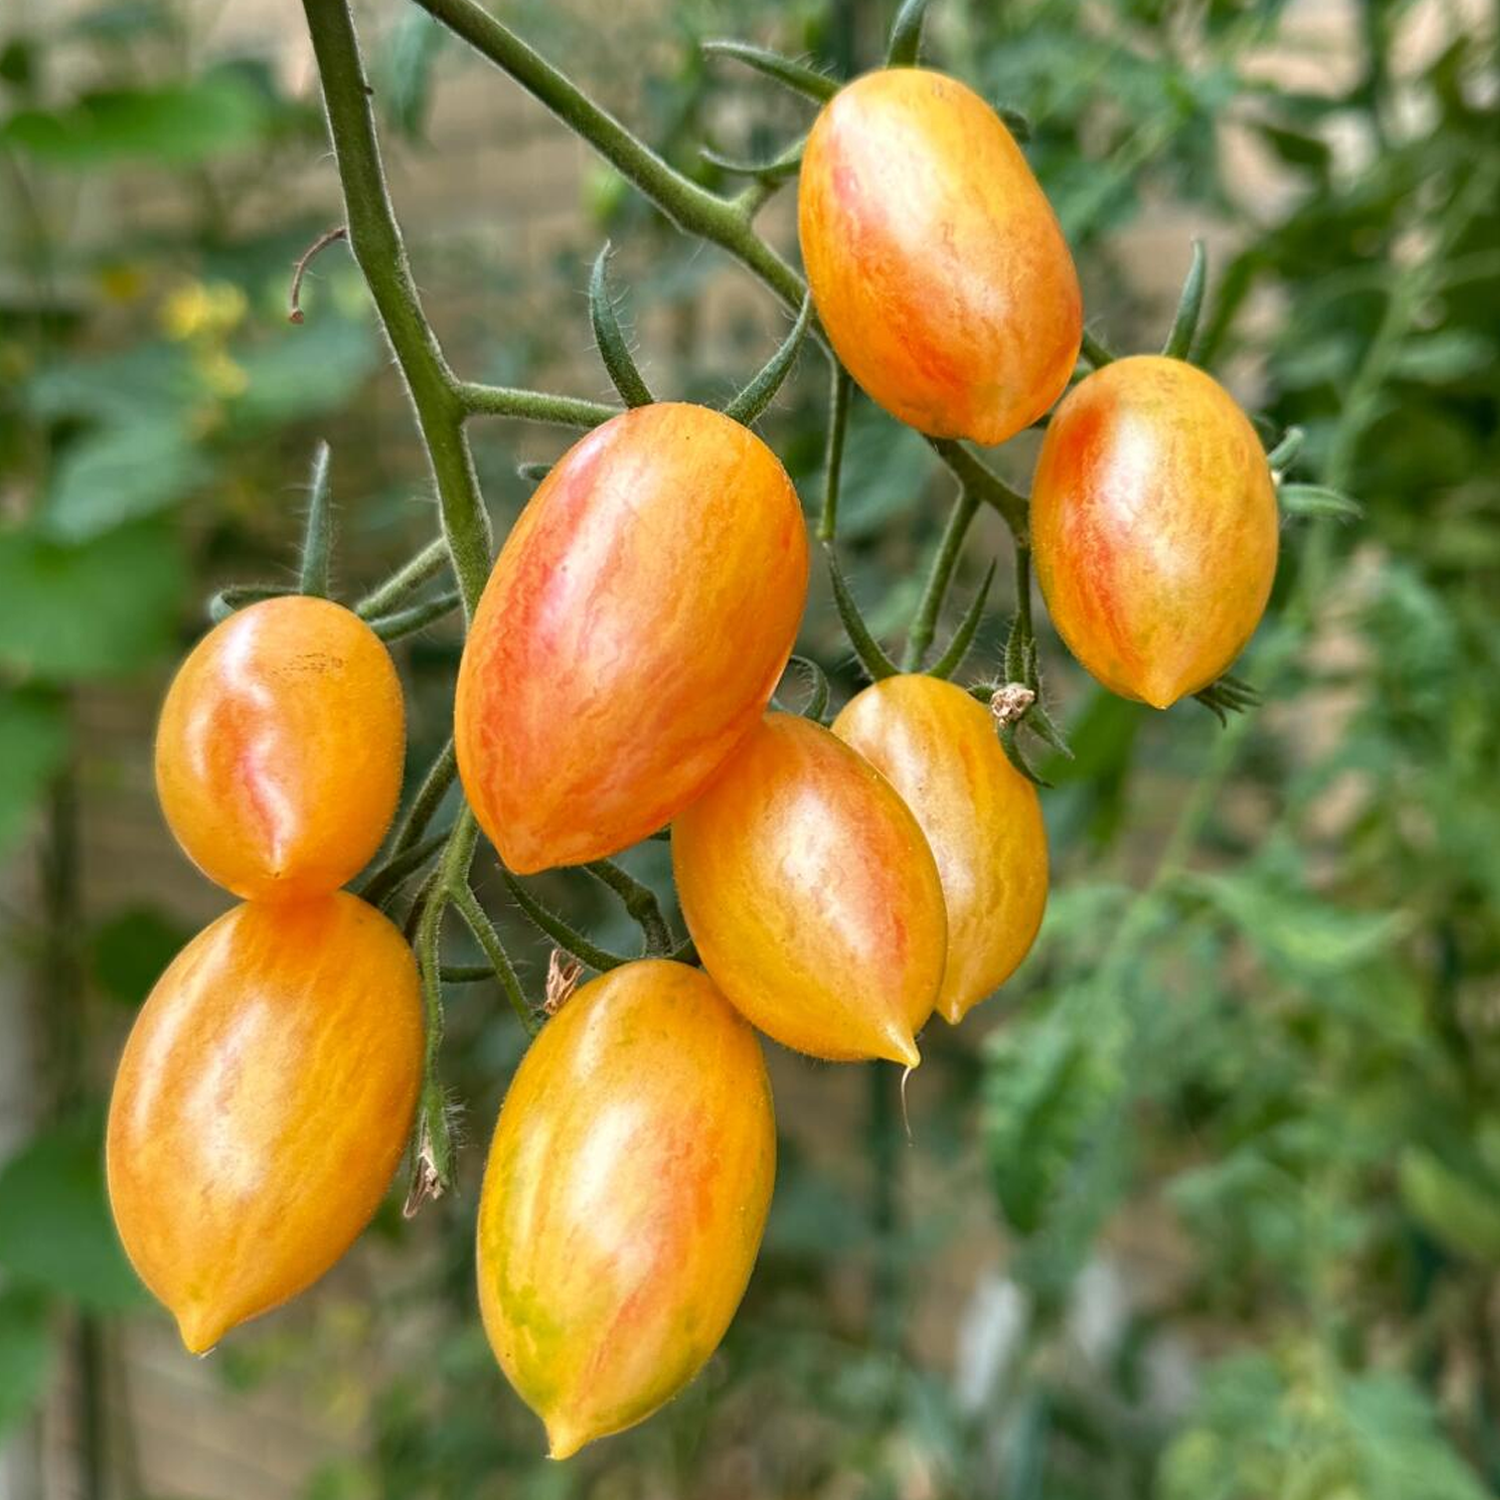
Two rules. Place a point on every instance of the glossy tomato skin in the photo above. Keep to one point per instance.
(1154, 527)
(279, 749)
(812, 895)
(935, 261)
(261, 1106)
(632, 631)
(937, 746)
(624, 1198)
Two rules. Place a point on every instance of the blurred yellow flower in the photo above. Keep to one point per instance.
(202, 309)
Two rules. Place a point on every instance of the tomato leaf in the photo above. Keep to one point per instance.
(55, 1228)
(176, 124)
(121, 473)
(1296, 931)
(410, 52)
(98, 610)
(128, 951)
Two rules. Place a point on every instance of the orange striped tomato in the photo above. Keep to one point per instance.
(261, 1106)
(632, 631)
(812, 895)
(937, 746)
(936, 264)
(624, 1198)
(1154, 527)
(279, 749)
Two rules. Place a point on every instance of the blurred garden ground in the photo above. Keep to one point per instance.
(1206, 1206)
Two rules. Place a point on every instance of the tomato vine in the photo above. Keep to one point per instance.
(443, 403)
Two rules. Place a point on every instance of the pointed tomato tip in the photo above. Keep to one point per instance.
(564, 1441)
(1160, 691)
(200, 1333)
(900, 1047)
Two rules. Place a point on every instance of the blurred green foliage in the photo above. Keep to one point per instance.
(1238, 1115)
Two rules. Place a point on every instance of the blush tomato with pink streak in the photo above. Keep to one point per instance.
(632, 631)
(1154, 527)
(937, 266)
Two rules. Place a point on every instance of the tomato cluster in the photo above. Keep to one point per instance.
(840, 884)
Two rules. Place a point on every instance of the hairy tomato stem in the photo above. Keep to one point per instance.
(375, 238)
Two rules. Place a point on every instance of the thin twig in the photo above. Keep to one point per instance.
(323, 241)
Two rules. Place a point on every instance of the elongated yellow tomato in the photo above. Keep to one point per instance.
(624, 1198)
(937, 746)
(632, 631)
(1154, 527)
(279, 749)
(935, 261)
(812, 896)
(261, 1106)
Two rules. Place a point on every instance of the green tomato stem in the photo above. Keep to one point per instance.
(976, 475)
(408, 621)
(559, 930)
(468, 907)
(639, 900)
(428, 799)
(387, 878)
(406, 580)
(691, 207)
(237, 595)
(924, 624)
(532, 406)
(375, 239)
(840, 389)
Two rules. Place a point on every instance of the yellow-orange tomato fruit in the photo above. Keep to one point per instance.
(279, 750)
(936, 264)
(633, 629)
(938, 747)
(1154, 527)
(812, 895)
(262, 1104)
(624, 1198)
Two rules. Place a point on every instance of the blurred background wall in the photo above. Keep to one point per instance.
(1208, 1203)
